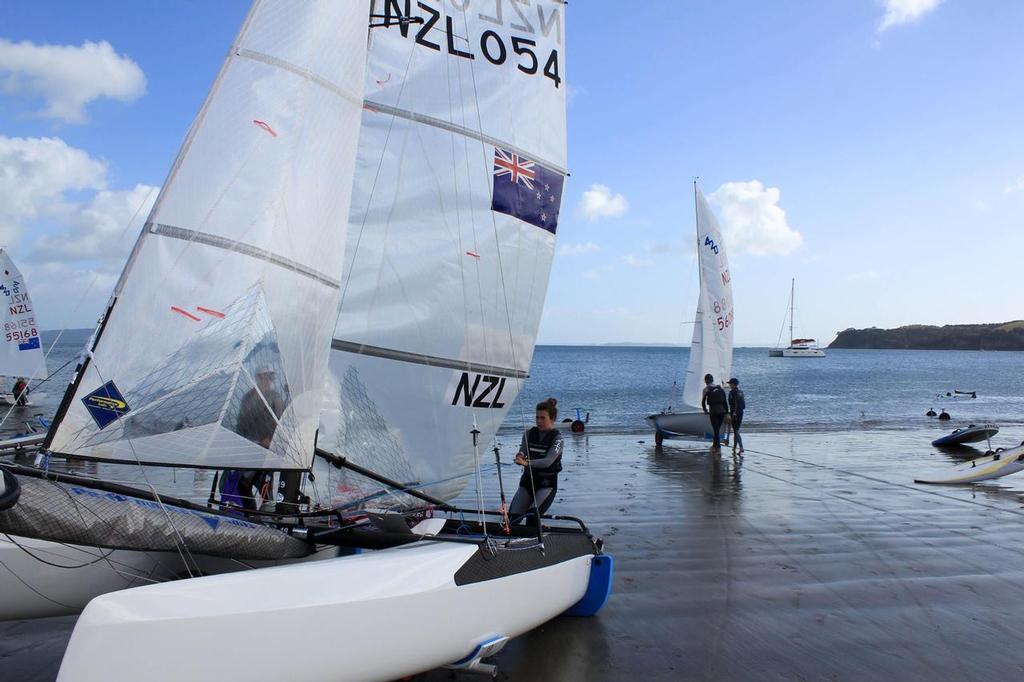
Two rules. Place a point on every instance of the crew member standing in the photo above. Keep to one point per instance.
(714, 403)
(541, 456)
(737, 404)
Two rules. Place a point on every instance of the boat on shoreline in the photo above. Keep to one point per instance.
(340, 395)
(711, 345)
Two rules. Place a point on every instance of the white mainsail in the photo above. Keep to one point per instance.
(215, 347)
(711, 346)
(461, 162)
(21, 354)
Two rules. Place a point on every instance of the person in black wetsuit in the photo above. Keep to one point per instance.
(541, 456)
(737, 404)
(714, 403)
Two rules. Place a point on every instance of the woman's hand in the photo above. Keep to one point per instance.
(520, 460)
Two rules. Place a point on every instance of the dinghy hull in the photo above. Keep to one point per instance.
(375, 616)
(688, 424)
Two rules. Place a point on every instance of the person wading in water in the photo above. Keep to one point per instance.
(541, 455)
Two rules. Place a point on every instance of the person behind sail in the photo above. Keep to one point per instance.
(737, 405)
(20, 391)
(714, 403)
(258, 424)
(541, 455)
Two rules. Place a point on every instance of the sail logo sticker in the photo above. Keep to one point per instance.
(106, 404)
(482, 390)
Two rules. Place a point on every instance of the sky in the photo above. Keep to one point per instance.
(870, 149)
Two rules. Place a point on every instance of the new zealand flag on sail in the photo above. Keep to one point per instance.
(526, 190)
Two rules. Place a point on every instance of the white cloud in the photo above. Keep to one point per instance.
(68, 77)
(898, 12)
(599, 202)
(863, 276)
(752, 220)
(1016, 186)
(591, 274)
(35, 173)
(578, 249)
(45, 183)
(100, 229)
(635, 262)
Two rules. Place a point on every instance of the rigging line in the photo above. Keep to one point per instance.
(376, 177)
(183, 549)
(37, 592)
(860, 503)
(915, 488)
(494, 225)
(56, 565)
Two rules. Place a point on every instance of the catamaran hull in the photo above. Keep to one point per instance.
(69, 576)
(803, 353)
(694, 424)
(380, 615)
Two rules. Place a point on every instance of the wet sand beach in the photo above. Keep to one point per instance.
(814, 556)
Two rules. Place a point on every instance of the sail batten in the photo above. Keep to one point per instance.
(460, 130)
(242, 248)
(421, 359)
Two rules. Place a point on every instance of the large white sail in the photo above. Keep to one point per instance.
(711, 347)
(461, 163)
(21, 354)
(215, 348)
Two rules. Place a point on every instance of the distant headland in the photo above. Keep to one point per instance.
(1003, 336)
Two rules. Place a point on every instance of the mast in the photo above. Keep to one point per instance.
(792, 291)
(696, 228)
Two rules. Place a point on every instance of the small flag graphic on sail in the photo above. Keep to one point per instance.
(526, 190)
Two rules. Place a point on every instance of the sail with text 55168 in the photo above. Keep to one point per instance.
(21, 353)
(214, 349)
(459, 181)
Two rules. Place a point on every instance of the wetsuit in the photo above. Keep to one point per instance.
(713, 401)
(737, 404)
(544, 450)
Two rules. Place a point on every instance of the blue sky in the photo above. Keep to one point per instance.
(882, 168)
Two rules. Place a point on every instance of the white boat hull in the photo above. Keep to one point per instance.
(72, 576)
(685, 424)
(379, 615)
(803, 353)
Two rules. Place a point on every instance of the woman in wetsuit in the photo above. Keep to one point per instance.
(541, 456)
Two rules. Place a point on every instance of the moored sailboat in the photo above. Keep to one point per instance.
(711, 344)
(797, 348)
(451, 187)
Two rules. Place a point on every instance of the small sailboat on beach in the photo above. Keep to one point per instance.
(711, 344)
(797, 348)
(21, 353)
(338, 289)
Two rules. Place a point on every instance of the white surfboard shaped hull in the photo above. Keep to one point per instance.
(981, 469)
(375, 616)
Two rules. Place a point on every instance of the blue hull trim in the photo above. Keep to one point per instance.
(602, 568)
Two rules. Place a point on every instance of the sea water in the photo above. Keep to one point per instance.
(620, 385)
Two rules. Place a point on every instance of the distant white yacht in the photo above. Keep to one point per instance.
(798, 348)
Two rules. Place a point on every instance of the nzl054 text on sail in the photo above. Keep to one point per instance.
(492, 45)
